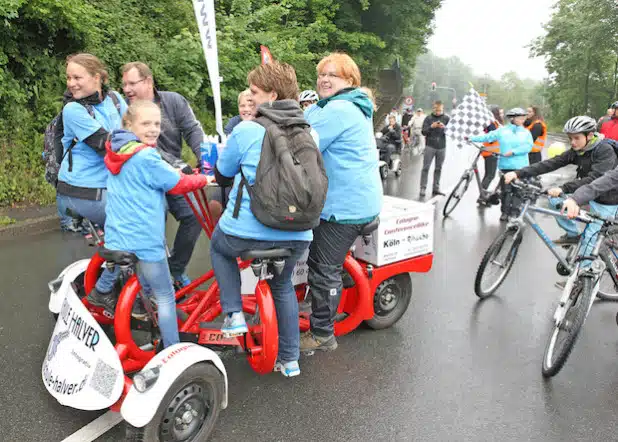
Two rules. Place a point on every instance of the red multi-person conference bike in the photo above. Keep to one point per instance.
(176, 393)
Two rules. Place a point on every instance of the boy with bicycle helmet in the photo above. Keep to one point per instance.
(307, 98)
(594, 157)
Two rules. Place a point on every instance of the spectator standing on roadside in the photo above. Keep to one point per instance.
(536, 125)
(435, 138)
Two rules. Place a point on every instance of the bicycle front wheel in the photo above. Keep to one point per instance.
(456, 195)
(565, 333)
(497, 262)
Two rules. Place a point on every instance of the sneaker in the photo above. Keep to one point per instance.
(105, 300)
(560, 284)
(310, 342)
(437, 192)
(288, 369)
(181, 281)
(71, 227)
(234, 325)
(422, 193)
(567, 240)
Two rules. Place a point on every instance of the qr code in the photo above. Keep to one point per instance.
(103, 379)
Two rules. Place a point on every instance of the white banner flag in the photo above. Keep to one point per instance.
(469, 119)
(205, 14)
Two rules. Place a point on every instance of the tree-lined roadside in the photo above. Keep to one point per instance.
(37, 35)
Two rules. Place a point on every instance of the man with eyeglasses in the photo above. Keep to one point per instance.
(178, 123)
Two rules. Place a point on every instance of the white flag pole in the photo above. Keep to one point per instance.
(205, 15)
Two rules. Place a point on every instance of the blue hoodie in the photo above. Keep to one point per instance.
(136, 202)
(512, 138)
(347, 142)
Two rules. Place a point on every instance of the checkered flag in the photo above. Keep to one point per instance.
(469, 119)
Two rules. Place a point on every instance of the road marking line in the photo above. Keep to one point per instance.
(96, 428)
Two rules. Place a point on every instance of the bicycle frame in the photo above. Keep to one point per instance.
(473, 169)
(527, 218)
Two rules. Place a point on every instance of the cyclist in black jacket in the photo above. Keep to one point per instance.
(594, 157)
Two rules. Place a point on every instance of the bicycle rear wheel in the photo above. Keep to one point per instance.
(500, 254)
(608, 284)
(565, 333)
(456, 195)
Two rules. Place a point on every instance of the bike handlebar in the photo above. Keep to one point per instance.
(483, 149)
(518, 184)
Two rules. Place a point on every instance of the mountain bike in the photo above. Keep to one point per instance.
(500, 255)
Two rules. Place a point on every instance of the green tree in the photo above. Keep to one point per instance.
(37, 35)
(581, 49)
(453, 76)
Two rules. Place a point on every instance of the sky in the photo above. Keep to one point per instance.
(490, 36)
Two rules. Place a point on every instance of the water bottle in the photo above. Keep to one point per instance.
(209, 155)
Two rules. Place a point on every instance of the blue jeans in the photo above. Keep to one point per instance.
(591, 230)
(155, 279)
(224, 249)
(65, 220)
(95, 212)
(188, 233)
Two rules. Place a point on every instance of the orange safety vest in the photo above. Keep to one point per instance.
(492, 147)
(539, 143)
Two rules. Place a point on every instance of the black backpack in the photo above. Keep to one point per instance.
(53, 150)
(290, 181)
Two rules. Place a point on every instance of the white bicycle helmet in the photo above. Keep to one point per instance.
(516, 112)
(308, 95)
(581, 124)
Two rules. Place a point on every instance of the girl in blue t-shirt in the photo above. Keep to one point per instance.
(136, 210)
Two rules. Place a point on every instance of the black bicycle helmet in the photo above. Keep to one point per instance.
(516, 112)
(580, 124)
(614, 105)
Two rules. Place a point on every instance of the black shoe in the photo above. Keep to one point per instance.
(567, 240)
(438, 193)
(105, 300)
(493, 199)
(139, 311)
(422, 193)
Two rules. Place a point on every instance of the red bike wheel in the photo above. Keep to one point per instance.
(360, 304)
(92, 272)
(262, 341)
(122, 323)
(91, 275)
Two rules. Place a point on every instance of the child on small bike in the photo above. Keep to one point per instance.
(135, 209)
(594, 156)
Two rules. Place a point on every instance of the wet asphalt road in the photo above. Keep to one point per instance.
(453, 368)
